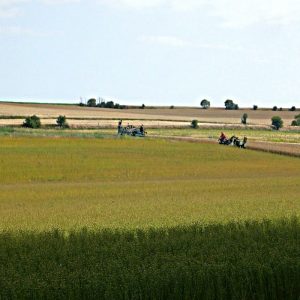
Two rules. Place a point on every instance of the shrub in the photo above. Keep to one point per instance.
(277, 122)
(274, 108)
(293, 108)
(255, 107)
(296, 122)
(194, 124)
(172, 107)
(91, 102)
(109, 104)
(229, 104)
(32, 122)
(62, 122)
(244, 119)
(280, 108)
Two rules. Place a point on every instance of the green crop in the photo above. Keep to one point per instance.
(138, 219)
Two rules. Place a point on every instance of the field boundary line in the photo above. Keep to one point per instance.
(271, 147)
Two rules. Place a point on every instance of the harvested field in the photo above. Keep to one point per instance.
(213, 115)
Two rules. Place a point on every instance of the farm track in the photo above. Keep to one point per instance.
(290, 149)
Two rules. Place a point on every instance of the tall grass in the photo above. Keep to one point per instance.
(249, 260)
(146, 219)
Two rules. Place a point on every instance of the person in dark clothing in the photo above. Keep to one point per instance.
(142, 129)
(119, 126)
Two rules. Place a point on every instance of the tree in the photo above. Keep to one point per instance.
(293, 108)
(61, 121)
(229, 104)
(92, 102)
(143, 106)
(277, 122)
(274, 108)
(32, 122)
(255, 107)
(205, 104)
(194, 124)
(109, 104)
(172, 107)
(296, 122)
(244, 119)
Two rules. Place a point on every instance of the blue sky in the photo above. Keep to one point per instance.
(157, 52)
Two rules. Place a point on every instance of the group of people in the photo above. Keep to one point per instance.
(233, 140)
(130, 128)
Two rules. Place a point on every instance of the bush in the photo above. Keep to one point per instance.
(296, 122)
(280, 109)
(62, 122)
(255, 107)
(91, 102)
(194, 124)
(277, 122)
(229, 104)
(274, 108)
(293, 108)
(172, 107)
(244, 119)
(32, 122)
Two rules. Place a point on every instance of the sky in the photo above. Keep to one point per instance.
(156, 52)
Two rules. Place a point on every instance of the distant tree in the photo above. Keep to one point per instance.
(229, 104)
(109, 104)
(293, 108)
(205, 104)
(194, 124)
(62, 122)
(92, 102)
(296, 122)
(143, 106)
(172, 107)
(280, 108)
(277, 122)
(117, 105)
(244, 119)
(255, 107)
(274, 108)
(32, 122)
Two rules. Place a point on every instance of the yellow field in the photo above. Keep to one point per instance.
(104, 183)
(185, 115)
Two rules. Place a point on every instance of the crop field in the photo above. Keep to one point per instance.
(119, 218)
(87, 116)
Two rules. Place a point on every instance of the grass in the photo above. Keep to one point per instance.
(131, 183)
(146, 219)
(280, 136)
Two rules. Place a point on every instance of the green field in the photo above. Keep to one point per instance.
(138, 219)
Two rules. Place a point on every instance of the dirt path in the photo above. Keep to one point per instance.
(290, 149)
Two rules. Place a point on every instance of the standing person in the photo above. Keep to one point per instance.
(222, 137)
(119, 126)
(142, 129)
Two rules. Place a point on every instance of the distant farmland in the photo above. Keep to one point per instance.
(85, 116)
(132, 219)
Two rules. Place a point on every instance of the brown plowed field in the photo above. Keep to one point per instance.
(212, 115)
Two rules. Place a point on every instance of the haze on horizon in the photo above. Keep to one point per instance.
(156, 52)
